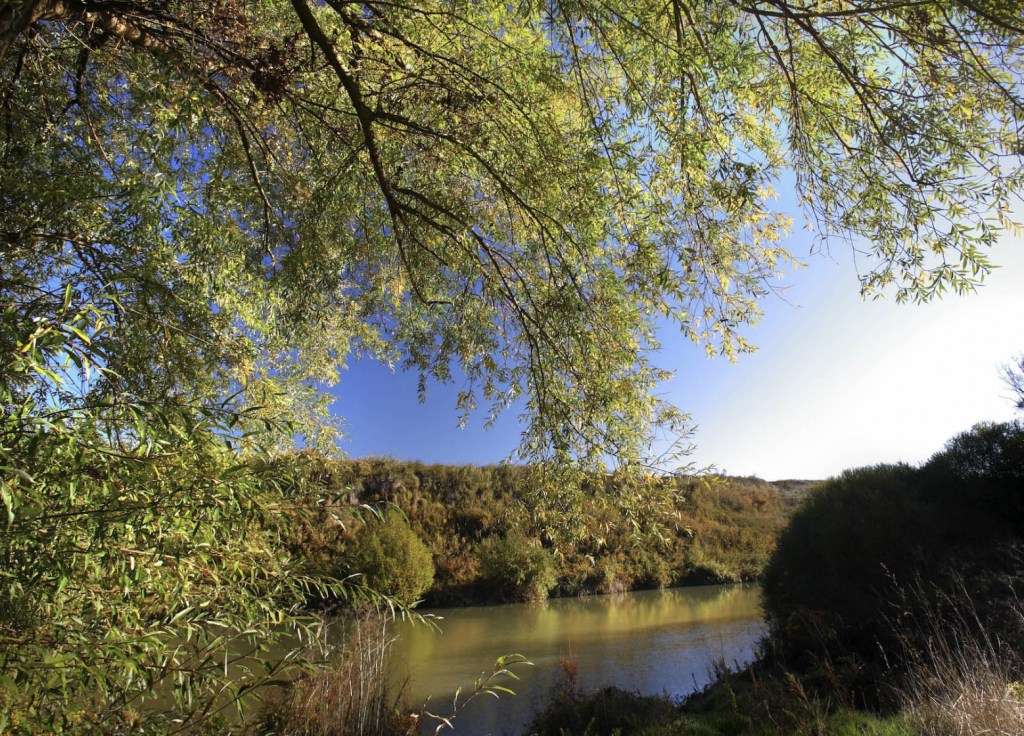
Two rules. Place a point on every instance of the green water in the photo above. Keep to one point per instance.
(651, 642)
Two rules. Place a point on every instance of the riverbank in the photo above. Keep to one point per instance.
(754, 701)
(655, 641)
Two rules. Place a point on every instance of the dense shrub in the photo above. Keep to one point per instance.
(879, 547)
(847, 539)
(393, 558)
(583, 575)
(984, 468)
(649, 568)
(515, 569)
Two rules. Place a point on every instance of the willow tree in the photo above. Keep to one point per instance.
(259, 192)
(216, 205)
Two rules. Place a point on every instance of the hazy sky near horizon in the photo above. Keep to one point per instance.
(837, 382)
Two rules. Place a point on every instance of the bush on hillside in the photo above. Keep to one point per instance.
(514, 569)
(394, 560)
(649, 568)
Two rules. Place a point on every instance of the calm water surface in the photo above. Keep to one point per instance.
(651, 642)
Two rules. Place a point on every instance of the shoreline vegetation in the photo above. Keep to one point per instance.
(455, 535)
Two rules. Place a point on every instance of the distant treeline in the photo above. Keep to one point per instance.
(458, 535)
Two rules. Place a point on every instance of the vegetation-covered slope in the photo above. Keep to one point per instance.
(492, 538)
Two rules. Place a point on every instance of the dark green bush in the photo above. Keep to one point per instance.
(514, 569)
(607, 712)
(871, 551)
(985, 468)
(393, 558)
(846, 539)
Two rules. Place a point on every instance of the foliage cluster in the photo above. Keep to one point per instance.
(142, 581)
(492, 538)
(517, 193)
(875, 551)
(513, 569)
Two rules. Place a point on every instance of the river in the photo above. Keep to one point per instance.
(650, 642)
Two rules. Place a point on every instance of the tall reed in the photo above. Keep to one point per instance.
(962, 679)
(352, 696)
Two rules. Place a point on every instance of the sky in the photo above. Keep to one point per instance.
(837, 382)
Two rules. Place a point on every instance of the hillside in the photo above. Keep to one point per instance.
(482, 522)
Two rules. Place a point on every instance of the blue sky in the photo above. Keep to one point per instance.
(837, 382)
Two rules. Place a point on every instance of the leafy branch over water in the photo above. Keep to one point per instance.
(483, 686)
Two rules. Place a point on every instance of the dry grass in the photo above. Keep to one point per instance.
(962, 681)
(352, 696)
(966, 692)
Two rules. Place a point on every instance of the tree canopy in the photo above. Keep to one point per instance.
(513, 193)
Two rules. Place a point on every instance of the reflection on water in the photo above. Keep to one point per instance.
(651, 642)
